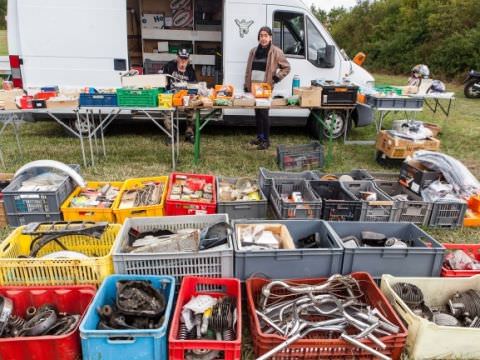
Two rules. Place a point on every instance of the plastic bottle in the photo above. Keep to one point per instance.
(295, 82)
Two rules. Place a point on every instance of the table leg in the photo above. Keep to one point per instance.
(196, 155)
(172, 129)
(15, 129)
(92, 156)
(82, 145)
(178, 135)
(102, 135)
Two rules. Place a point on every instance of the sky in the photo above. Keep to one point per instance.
(327, 5)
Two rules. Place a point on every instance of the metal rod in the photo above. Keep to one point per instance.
(361, 345)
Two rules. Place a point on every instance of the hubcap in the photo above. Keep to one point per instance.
(338, 124)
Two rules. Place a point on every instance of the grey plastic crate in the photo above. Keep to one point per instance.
(300, 157)
(45, 205)
(356, 174)
(394, 102)
(386, 176)
(424, 258)
(24, 219)
(153, 67)
(381, 210)
(289, 264)
(265, 178)
(215, 262)
(415, 210)
(310, 208)
(241, 209)
(448, 214)
(337, 204)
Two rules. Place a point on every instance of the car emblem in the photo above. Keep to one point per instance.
(243, 26)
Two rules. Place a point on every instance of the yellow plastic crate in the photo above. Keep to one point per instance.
(89, 213)
(165, 101)
(15, 270)
(142, 211)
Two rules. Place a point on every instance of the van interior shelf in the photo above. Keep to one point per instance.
(181, 35)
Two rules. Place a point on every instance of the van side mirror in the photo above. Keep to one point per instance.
(326, 57)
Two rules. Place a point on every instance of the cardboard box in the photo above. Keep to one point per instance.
(7, 98)
(279, 230)
(62, 103)
(416, 176)
(244, 102)
(310, 96)
(400, 148)
(279, 102)
(162, 46)
(145, 81)
(153, 21)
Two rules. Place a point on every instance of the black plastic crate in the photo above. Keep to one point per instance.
(337, 94)
(356, 174)
(415, 210)
(416, 176)
(45, 205)
(153, 67)
(265, 178)
(337, 204)
(300, 157)
(448, 214)
(381, 210)
(291, 263)
(423, 258)
(252, 209)
(385, 176)
(310, 208)
(383, 102)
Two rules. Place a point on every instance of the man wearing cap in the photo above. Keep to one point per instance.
(181, 71)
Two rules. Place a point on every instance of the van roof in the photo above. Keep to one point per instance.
(291, 3)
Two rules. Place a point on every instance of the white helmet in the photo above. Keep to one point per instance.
(421, 71)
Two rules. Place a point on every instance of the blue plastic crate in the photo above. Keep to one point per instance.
(98, 100)
(148, 344)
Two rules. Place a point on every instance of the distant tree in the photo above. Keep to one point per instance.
(3, 13)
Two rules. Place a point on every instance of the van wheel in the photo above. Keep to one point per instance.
(339, 124)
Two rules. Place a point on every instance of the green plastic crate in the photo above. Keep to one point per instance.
(138, 98)
(387, 89)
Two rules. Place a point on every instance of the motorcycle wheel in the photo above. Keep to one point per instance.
(469, 90)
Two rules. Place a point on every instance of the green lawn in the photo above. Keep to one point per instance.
(3, 43)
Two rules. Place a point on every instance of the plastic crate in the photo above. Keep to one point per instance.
(386, 176)
(300, 157)
(145, 344)
(337, 204)
(381, 210)
(17, 269)
(140, 211)
(424, 258)
(309, 208)
(265, 178)
(98, 100)
(70, 299)
(138, 98)
(415, 210)
(400, 102)
(195, 286)
(426, 340)
(89, 213)
(339, 95)
(356, 174)
(182, 207)
(23, 207)
(241, 209)
(318, 345)
(471, 249)
(448, 214)
(208, 263)
(286, 263)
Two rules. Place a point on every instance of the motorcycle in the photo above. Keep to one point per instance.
(472, 85)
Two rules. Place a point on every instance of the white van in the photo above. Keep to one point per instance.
(75, 44)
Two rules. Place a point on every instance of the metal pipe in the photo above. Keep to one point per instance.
(361, 345)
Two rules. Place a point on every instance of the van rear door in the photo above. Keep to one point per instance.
(72, 43)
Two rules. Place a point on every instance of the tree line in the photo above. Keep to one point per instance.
(397, 34)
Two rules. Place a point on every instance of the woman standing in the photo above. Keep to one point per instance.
(266, 64)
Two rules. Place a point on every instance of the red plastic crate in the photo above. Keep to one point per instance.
(69, 299)
(26, 102)
(194, 286)
(315, 347)
(45, 95)
(182, 207)
(471, 249)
